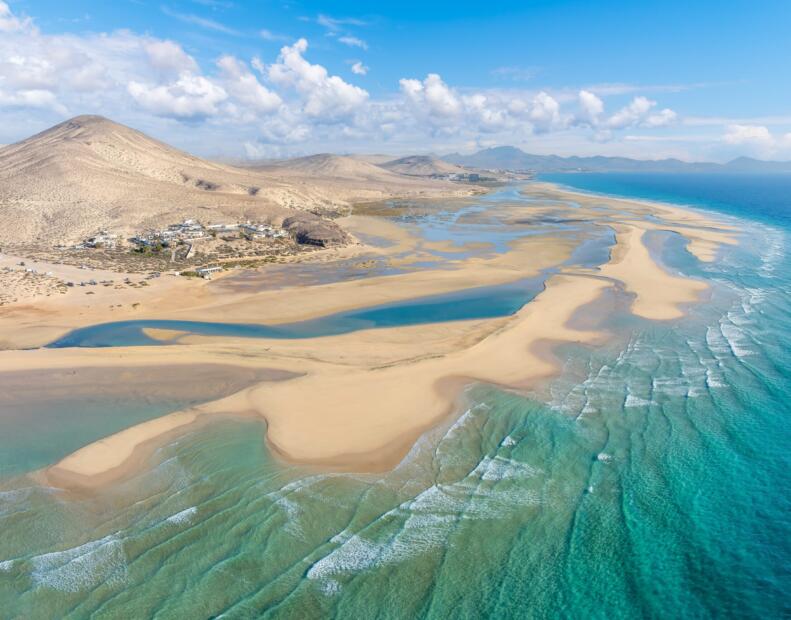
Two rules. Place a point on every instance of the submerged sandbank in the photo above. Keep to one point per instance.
(364, 397)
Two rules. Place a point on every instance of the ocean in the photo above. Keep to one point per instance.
(651, 478)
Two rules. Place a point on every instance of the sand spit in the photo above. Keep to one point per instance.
(363, 398)
(371, 416)
(658, 294)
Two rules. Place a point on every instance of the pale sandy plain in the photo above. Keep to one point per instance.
(362, 399)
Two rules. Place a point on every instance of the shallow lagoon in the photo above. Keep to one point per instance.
(650, 479)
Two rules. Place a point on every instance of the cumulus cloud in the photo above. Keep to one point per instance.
(591, 107)
(358, 68)
(32, 99)
(323, 95)
(240, 83)
(757, 140)
(748, 134)
(169, 58)
(431, 97)
(188, 97)
(638, 113)
(287, 99)
(9, 22)
(440, 105)
(545, 113)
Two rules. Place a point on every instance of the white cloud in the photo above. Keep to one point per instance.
(323, 96)
(638, 114)
(335, 24)
(9, 22)
(353, 42)
(545, 113)
(661, 119)
(287, 99)
(245, 87)
(32, 99)
(748, 134)
(631, 114)
(591, 107)
(432, 97)
(190, 96)
(358, 68)
(258, 65)
(169, 58)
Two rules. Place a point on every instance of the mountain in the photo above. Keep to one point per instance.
(350, 179)
(512, 158)
(422, 166)
(89, 173)
(328, 165)
(372, 158)
(748, 164)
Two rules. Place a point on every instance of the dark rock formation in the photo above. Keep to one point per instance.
(310, 229)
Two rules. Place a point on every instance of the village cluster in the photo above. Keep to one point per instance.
(187, 232)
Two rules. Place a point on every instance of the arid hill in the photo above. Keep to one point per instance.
(90, 173)
(422, 166)
(332, 166)
(349, 179)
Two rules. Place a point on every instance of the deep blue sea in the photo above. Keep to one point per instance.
(650, 479)
(758, 197)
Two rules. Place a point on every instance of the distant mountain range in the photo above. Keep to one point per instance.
(512, 158)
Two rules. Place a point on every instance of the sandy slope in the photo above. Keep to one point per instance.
(422, 166)
(87, 173)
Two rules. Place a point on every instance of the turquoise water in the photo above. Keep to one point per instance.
(475, 303)
(459, 226)
(650, 479)
(48, 414)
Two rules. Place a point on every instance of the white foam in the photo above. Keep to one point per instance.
(429, 518)
(330, 587)
(185, 516)
(79, 568)
(6, 566)
(713, 380)
(14, 500)
(604, 457)
(736, 339)
(636, 401)
(775, 251)
(502, 468)
(508, 442)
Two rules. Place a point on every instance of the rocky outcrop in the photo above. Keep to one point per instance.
(311, 229)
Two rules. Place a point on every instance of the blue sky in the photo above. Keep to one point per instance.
(696, 80)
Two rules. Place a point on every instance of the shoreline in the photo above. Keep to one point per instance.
(325, 417)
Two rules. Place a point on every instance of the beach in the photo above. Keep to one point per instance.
(415, 374)
(606, 405)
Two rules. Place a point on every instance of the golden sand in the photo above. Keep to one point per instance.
(364, 397)
(658, 294)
